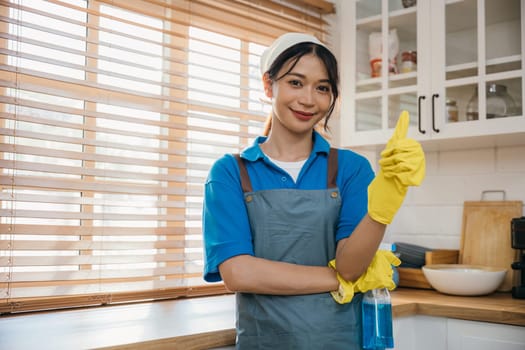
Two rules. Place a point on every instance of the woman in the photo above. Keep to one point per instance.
(278, 213)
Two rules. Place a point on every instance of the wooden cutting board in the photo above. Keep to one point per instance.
(485, 236)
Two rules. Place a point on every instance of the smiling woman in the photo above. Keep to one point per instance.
(112, 113)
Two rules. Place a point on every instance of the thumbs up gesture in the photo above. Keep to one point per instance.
(402, 164)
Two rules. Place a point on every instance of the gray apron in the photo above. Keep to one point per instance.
(296, 226)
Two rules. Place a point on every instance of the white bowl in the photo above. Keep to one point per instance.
(457, 279)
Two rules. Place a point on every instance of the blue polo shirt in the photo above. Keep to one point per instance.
(226, 228)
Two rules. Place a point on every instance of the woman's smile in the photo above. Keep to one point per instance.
(306, 116)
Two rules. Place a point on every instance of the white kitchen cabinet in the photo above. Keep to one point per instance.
(462, 46)
(440, 333)
(470, 335)
(415, 333)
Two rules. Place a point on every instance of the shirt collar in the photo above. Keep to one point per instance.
(254, 152)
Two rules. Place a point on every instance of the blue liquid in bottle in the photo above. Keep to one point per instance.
(377, 320)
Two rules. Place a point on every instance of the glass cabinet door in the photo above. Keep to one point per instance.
(368, 103)
(483, 77)
(385, 80)
(461, 61)
(503, 61)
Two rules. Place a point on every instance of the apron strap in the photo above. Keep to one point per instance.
(246, 183)
(332, 168)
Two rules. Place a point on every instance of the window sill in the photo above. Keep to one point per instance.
(196, 323)
(209, 322)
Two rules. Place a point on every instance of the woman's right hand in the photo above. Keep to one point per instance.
(402, 164)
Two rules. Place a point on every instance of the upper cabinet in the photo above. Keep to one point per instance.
(456, 66)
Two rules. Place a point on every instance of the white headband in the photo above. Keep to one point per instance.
(282, 43)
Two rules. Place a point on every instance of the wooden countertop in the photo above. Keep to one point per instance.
(207, 322)
(495, 308)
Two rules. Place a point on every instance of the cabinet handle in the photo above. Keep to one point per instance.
(433, 111)
(419, 114)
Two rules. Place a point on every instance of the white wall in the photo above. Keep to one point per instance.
(432, 213)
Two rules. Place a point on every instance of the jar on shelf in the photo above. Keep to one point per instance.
(408, 62)
(376, 66)
(452, 111)
(499, 103)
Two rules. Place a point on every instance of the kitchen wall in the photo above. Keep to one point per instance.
(432, 213)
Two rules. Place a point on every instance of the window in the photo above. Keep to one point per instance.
(111, 114)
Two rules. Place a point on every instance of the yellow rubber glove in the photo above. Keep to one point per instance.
(345, 293)
(402, 164)
(378, 275)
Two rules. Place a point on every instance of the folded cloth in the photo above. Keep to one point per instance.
(379, 274)
(411, 255)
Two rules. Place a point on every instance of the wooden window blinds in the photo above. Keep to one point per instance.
(111, 113)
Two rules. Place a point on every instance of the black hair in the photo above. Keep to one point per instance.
(297, 51)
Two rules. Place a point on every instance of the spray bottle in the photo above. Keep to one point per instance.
(377, 317)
